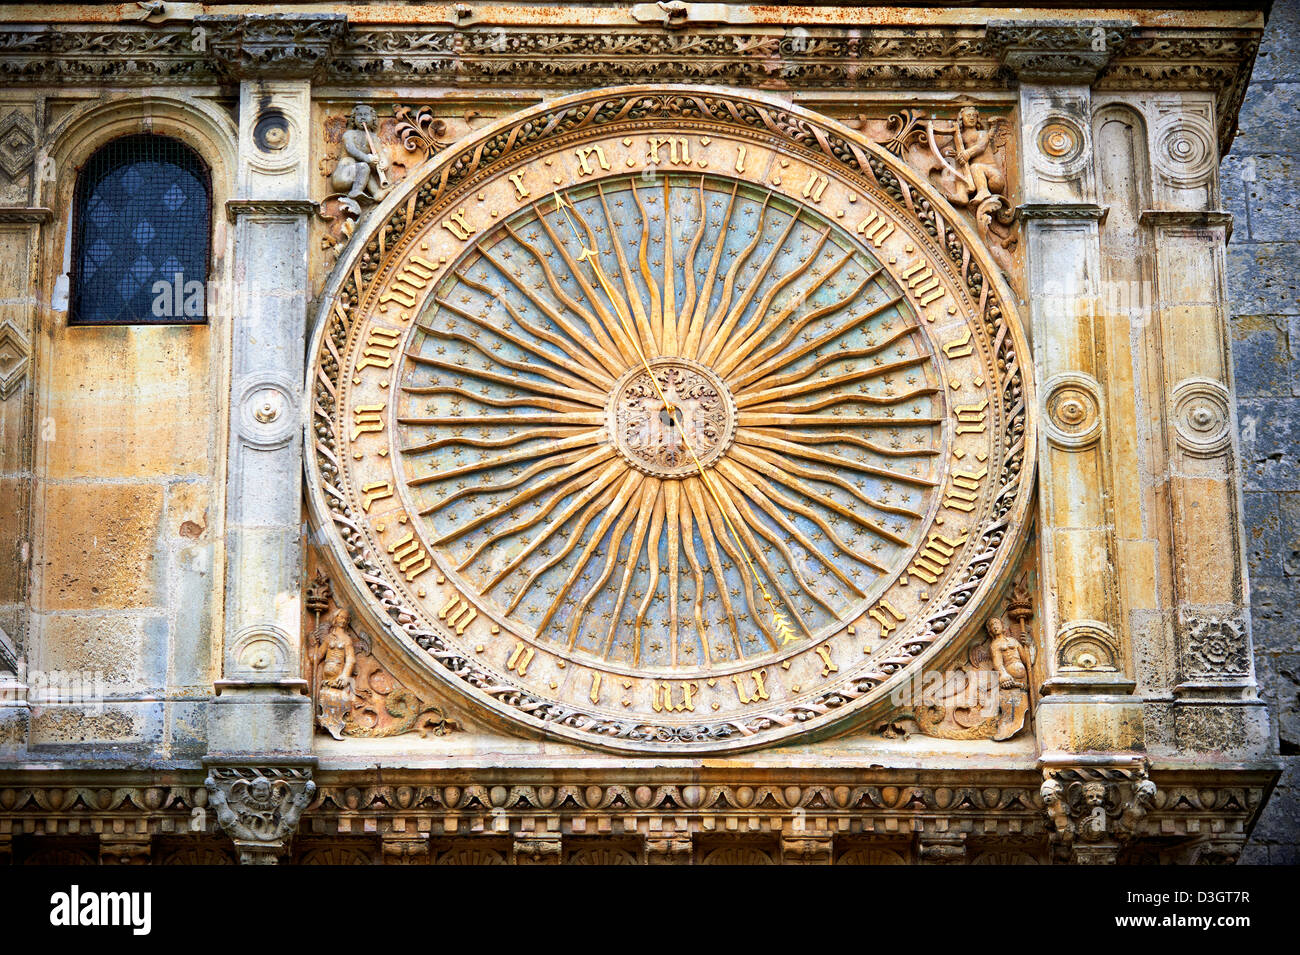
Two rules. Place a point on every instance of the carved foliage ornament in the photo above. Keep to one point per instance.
(658, 418)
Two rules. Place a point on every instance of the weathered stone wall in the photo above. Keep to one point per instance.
(1262, 190)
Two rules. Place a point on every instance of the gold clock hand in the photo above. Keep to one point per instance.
(779, 620)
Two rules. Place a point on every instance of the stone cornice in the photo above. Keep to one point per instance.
(1058, 51)
(562, 58)
(1071, 211)
(33, 214)
(996, 808)
(269, 207)
(271, 46)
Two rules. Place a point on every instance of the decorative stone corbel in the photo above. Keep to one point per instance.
(259, 807)
(669, 848)
(1057, 51)
(1093, 811)
(941, 848)
(807, 848)
(125, 848)
(406, 848)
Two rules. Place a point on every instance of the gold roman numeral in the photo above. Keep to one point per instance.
(964, 490)
(367, 418)
(458, 612)
(885, 615)
(380, 342)
(935, 556)
(751, 687)
(519, 658)
(661, 696)
(410, 555)
(972, 419)
(408, 282)
(458, 226)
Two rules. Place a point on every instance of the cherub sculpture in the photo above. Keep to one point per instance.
(258, 810)
(361, 173)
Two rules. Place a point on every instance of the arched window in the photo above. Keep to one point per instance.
(142, 233)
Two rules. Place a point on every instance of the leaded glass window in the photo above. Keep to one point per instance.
(141, 234)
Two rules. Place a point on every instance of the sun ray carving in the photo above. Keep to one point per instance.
(549, 474)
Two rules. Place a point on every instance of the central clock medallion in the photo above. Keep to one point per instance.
(659, 430)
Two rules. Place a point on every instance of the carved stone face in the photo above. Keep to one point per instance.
(969, 118)
(260, 790)
(364, 116)
(996, 627)
(342, 617)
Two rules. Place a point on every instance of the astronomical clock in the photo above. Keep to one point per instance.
(668, 420)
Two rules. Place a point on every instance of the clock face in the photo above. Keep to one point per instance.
(668, 433)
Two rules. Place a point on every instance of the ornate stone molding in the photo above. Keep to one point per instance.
(986, 694)
(965, 157)
(1074, 211)
(263, 208)
(354, 694)
(444, 54)
(33, 214)
(663, 816)
(1057, 51)
(272, 45)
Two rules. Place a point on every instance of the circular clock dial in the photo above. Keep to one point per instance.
(665, 433)
(553, 483)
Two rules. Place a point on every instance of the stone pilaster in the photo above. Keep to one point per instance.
(261, 705)
(1086, 702)
(21, 219)
(1215, 707)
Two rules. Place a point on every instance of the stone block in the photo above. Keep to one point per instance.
(1270, 195)
(1279, 53)
(1272, 611)
(1263, 533)
(1261, 355)
(1270, 444)
(104, 731)
(130, 402)
(100, 546)
(126, 652)
(1266, 110)
(1264, 278)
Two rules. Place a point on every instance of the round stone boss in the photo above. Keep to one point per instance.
(668, 420)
